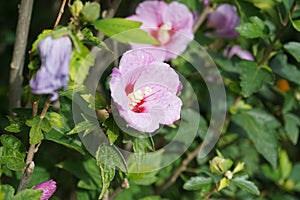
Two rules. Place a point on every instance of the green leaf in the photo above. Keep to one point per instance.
(281, 67)
(12, 153)
(87, 126)
(285, 165)
(253, 29)
(108, 158)
(90, 39)
(246, 185)
(6, 192)
(54, 119)
(260, 127)
(36, 134)
(293, 49)
(112, 130)
(295, 23)
(81, 62)
(29, 194)
(124, 30)
(59, 137)
(291, 126)
(15, 124)
(86, 171)
(96, 102)
(253, 77)
(224, 182)
(197, 183)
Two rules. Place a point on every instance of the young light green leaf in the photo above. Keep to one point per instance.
(124, 31)
(6, 192)
(260, 128)
(112, 130)
(15, 124)
(253, 29)
(12, 154)
(90, 39)
(197, 183)
(285, 165)
(246, 185)
(291, 126)
(293, 49)
(54, 119)
(281, 67)
(253, 77)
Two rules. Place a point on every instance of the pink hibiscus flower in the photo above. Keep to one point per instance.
(170, 24)
(48, 188)
(145, 91)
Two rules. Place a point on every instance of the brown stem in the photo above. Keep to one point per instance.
(35, 108)
(201, 18)
(181, 169)
(61, 11)
(45, 108)
(207, 196)
(277, 36)
(17, 63)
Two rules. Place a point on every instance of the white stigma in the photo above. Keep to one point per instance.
(163, 33)
(137, 96)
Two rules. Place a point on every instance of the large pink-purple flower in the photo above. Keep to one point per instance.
(224, 20)
(170, 24)
(145, 91)
(55, 54)
(48, 188)
(236, 50)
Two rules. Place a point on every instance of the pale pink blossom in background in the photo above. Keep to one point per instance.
(223, 21)
(236, 50)
(170, 24)
(145, 91)
(48, 188)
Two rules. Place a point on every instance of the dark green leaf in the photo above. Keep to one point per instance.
(85, 126)
(260, 127)
(293, 49)
(124, 30)
(59, 137)
(15, 124)
(253, 29)
(246, 185)
(112, 130)
(12, 153)
(253, 77)
(197, 183)
(291, 126)
(281, 67)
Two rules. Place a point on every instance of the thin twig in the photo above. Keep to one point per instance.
(207, 196)
(35, 108)
(26, 176)
(277, 36)
(201, 18)
(61, 11)
(17, 63)
(45, 108)
(179, 171)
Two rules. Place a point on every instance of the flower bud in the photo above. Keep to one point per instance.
(48, 188)
(76, 8)
(219, 165)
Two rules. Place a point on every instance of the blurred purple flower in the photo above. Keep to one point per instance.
(53, 74)
(206, 2)
(48, 188)
(145, 91)
(170, 24)
(224, 20)
(236, 50)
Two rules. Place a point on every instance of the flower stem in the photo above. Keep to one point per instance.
(201, 18)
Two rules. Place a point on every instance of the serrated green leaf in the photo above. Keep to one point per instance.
(112, 130)
(197, 183)
(260, 128)
(293, 49)
(59, 137)
(246, 185)
(291, 126)
(108, 158)
(12, 152)
(96, 102)
(29, 194)
(55, 119)
(15, 124)
(253, 77)
(281, 67)
(36, 134)
(124, 30)
(253, 29)
(85, 126)
(90, 39)
(285, 165)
